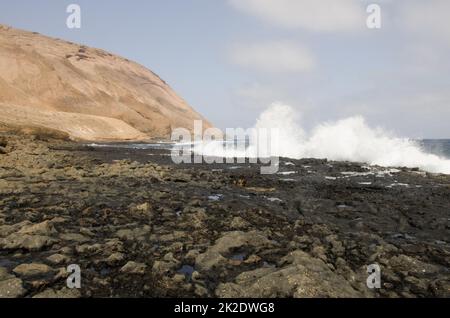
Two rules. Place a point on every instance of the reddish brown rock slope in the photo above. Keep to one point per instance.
(86, 93)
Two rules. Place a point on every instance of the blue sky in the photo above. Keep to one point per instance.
(230, 59)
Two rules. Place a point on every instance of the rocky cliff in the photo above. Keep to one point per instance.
(53, 85)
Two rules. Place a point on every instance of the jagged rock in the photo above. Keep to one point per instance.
(319, 252)
(303, 276)
(215, 255)
(192, 255)
(440, 287)
(168, 263)
(201, 291)
(133, 268)
(93, 204)
(86, 232)
(58, 259)
(199, 217)
(415, 267)
(134, 234)
(45, 228)
(143, 208)
(115, 258)
(27, 242)
(59, 293)
(336, 246)
(252, 259)
(89, 248)
(208, 260)
(11, 288)
(6, 230)
(239, 223)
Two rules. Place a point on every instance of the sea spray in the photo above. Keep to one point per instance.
(212, 146)
(349, 139)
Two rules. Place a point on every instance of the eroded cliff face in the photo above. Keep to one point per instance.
(87, 93)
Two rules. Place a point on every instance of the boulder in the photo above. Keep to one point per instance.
(58, 259)
(216, 255)
(302, 276)
(32, 270)
(44, 228)
(26, 242)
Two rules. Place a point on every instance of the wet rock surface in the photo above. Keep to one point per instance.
(140, 226)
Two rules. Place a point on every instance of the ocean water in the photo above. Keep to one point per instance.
(347, 139)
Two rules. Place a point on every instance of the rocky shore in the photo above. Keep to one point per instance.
(140, 226)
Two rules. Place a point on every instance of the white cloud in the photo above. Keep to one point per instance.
(314, 15)
(282, 57)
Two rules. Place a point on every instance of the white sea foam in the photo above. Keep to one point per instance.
(273, 199)
(215, 197)
(349, 139)
(286, 173)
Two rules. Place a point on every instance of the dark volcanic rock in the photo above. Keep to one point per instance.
(140, 226)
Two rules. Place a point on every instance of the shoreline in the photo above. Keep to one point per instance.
(140, 226)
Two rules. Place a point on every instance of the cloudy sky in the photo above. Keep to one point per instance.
(230, 59)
